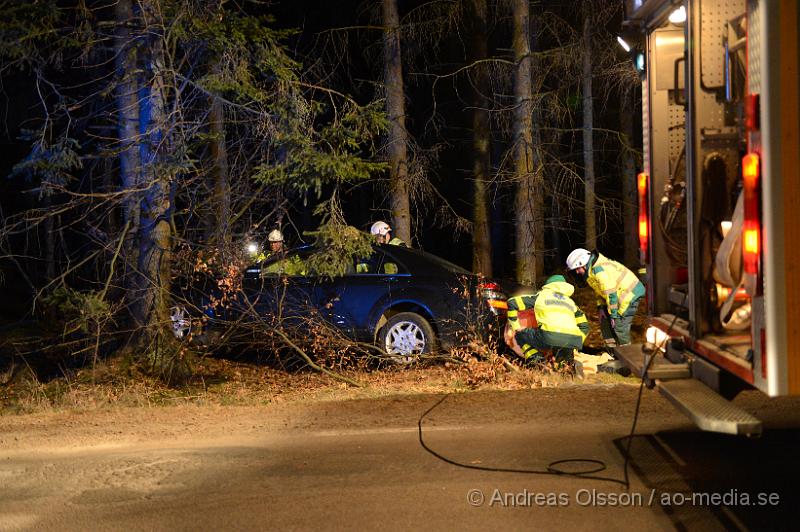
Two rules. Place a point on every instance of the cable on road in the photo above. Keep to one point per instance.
(557, 468)
(586, 467)
(646, 369)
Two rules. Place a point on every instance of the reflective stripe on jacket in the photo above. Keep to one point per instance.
(615, 284)
(555, 313)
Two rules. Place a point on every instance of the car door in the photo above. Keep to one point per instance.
(349, 302)
(279, 291)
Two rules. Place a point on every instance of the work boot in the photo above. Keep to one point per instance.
(579, 370)
(614, 366)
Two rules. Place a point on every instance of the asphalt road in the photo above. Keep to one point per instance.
(364, 468)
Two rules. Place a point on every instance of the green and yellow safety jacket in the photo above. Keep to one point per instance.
(615, 285)
(291, 266)
(388, 267)
(559, 319)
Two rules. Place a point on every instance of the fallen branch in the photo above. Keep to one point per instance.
(508, 365)
(313, 364)
(305, 356)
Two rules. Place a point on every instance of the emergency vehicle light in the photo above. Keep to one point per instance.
(678, 16)
(751, 241)
(656, 338)
(644, 230)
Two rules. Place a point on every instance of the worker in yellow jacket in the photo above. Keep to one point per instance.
(383, 234)
(618, 289)
(546, 322)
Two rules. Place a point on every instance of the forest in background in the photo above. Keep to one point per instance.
(143, 137)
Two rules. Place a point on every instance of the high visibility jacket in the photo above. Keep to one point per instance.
(391, 267)
(614, 284)
(388, 267)
(555, 312)
(292, 265)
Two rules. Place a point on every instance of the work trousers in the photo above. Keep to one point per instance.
(621, 333)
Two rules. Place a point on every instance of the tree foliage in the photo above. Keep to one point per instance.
(147, 116)
(122, 132)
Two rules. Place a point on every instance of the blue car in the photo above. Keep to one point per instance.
(405, 301)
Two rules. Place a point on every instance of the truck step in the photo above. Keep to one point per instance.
(708, 410)
(661, 368)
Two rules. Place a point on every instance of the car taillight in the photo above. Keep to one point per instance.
(491, 290)
(494, 296)
(498, 304)
(751, 236)
(644, 230)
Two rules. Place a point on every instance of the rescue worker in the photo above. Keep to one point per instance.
(618, 289)
(546, 323)
(276, 245)
(278, 262)
(382, 232)
(275, 239)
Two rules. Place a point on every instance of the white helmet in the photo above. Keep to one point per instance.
(275, 236)
(380, 228)
(578, 258)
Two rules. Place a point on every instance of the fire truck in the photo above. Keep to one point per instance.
(719, 202)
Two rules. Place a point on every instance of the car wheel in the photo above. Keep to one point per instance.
(406, 336)
(181, 322)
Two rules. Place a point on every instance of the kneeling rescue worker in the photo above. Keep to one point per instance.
(618, 289)
(546, 323)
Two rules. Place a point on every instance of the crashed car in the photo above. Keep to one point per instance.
(405, 301)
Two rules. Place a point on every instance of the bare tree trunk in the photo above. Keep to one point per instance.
(529, 258)
(127, 104)
(152, 305)
(537, 201)
(588, 126)
(629, 193)
(397, 141)
(217, 230)
(481, 139)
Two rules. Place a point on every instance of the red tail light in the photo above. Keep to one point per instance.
(751, 236)
(644, 224)
(494, 296)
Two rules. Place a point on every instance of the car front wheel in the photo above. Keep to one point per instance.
(406, 336)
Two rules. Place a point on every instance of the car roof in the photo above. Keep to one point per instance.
(418, 261)
(415, 260)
